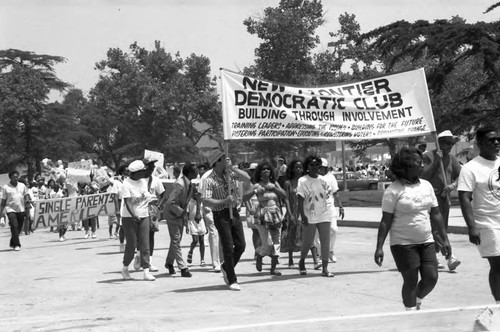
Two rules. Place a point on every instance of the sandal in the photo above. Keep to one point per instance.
(327, 274)
(190, 258)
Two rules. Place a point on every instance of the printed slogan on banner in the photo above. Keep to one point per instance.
(55, 212)
(396, 105)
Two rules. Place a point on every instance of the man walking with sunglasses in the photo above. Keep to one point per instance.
(432, 173)
(479, 196)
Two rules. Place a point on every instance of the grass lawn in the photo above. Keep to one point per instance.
(372, 198)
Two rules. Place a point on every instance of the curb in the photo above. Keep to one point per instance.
(375, 224)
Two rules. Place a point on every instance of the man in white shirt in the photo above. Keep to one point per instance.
(479, 196)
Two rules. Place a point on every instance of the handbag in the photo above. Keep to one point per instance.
(271, 217)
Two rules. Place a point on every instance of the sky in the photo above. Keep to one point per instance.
(83, 30)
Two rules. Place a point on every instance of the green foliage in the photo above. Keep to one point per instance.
(151, 100)
(288, 37)
(285, 56)
(462, 65)
(26, 79)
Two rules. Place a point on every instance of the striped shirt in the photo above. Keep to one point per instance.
(216, 187)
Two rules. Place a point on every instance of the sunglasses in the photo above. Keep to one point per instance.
(494, 139)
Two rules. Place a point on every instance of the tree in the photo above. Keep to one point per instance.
(458, 51)
(61, 132)
(151, 100)
(26, 79)
(285, 54)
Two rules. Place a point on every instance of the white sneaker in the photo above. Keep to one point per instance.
(122, 247)
(453, 263)
(125, 273)
(94, 236)
(61, 239)
(17, 248)
(137, 263)
(234, 287)
(148, 276)
(87, 235)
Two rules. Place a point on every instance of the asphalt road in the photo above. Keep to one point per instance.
(77, 286)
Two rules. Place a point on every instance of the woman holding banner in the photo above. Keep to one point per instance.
(135, 218)
(410, 213)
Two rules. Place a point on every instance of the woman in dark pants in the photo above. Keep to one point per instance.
(410, 214)
(135, 218)
(14, 198)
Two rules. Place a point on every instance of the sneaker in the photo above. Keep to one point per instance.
(440, 265)
(111, 237)
(318, 266)
(202, 263)
(153, 268)
(332, 257)
(170, 268)
(453, 263)
(122, 247)
(235, 287)
(94, 236)
(125, 273)
(87, 235)
(148, 276)
(61, 239)
(224, 275)
(137, 263)
(185, 273)
(17, 248)
(216, 268)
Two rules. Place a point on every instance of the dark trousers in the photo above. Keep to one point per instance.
(151, 242)
(137, 235)
(16, 221)
(92, 222)
(232, 240)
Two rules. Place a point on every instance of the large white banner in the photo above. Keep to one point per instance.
(396, 105)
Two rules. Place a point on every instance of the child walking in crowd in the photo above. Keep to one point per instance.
(197, 230)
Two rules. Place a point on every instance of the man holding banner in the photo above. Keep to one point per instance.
(445, 181)
(217, 195)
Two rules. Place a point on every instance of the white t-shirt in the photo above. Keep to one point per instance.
(157, 187)
(58, 194)
(410, 204)
(139, 196)
(318, 198)
(480, 176)
(14, 197)
(115, 188)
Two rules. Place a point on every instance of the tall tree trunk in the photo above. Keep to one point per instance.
(29, 139)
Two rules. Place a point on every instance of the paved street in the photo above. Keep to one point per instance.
(76, 285)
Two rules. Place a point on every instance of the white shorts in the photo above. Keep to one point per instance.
(490, 242)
